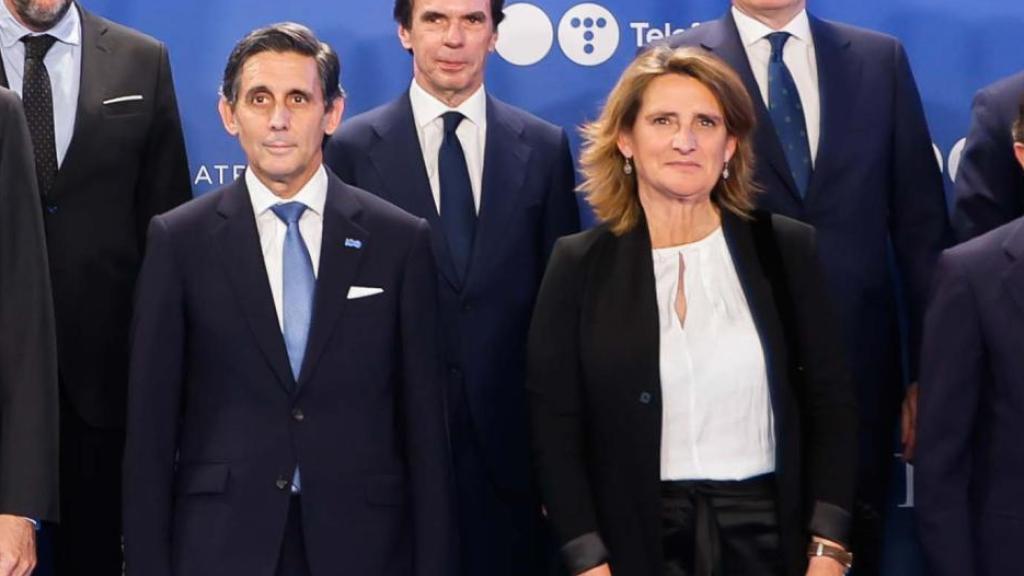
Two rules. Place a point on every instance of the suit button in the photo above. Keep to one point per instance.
(645, 398)
(455, 372)
(282, 484)
(466, 306)
(297, 415)
(52, 208)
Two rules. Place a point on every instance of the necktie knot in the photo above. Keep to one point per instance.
(289, 212)
(451, 121)
(36, 47)
(778, 42)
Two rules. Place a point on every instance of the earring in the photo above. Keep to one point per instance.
(627, 166)
(725, 172)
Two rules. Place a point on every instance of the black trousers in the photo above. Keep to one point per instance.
(87, 541)
(292, 560)
(721, 528)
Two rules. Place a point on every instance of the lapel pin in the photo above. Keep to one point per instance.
(353, 243)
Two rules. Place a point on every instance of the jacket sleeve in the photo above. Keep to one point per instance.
(554, 390)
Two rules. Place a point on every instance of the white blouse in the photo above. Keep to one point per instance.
(716, 410)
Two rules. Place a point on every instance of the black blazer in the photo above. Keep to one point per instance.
(217, 423)
(126, 163)
(595, 397)
(28, 347)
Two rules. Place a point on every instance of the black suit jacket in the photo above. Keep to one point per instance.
(970, 463)
(989, 182)
(217, 423)
(527, 202)
(28, 347)
(876, 183)
(595, 392)
(126, 163)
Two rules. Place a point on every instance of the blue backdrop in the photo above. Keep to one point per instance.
(558, 58)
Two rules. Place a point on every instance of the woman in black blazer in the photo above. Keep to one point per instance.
(691, 410)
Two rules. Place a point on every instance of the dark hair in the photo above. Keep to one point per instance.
(284, 37)
(403, 12)
(1018, 126)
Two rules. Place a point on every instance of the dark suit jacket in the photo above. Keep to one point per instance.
(126, 163)
(970, 461)
(217, 423)
(989, 182)
(595, 392)
(28, 347)
(526, 204)
(875, 181)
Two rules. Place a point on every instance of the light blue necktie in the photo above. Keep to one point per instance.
(297, 294)
(788, 114)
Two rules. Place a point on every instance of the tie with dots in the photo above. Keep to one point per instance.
(788, 114)
(37, 97)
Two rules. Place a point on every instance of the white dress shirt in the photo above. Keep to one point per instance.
(472, 133)
(800, 58)
(717, 421)
(272, 230)
(63, 64)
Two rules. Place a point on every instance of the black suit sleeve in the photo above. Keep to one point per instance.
(989, 186)
(557, 413)
(825, 389)
(164, 180)
(561, 212)
(426, 439)
(953, 364)
(919, 223)
(28, 363)
(154, 395)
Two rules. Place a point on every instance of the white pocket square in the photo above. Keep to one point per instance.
(362, 291)
(132, 98)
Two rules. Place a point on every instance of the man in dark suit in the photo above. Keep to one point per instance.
(989, 184)
(286, 394)
(842, 144)
(496, 185)
(109, 154)
(970, 466)
(28, 352)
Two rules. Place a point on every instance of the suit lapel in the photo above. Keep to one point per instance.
(505, 160)
(724, 40)
(238, 246)
(1013, 278)
(398, 159)
(839, 70)
(342, 248)
(752, 271)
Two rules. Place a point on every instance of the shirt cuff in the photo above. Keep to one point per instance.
(831, 522)
(584, 552)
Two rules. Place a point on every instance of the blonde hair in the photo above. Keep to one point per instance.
(609, 190)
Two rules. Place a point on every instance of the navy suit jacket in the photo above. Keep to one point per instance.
(989, 182)
(217, 423)
(875, 182)
(970, 459)
(526, 204)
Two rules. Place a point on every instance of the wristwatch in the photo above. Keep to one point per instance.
(834, 552)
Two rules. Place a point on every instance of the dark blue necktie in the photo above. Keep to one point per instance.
(458, 213)
(37, 96)
(788, 114)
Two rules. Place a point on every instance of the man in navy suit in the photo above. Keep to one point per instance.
(496, 184)
(285, 401)
(843, 145)
(989, 184)
(970, 466)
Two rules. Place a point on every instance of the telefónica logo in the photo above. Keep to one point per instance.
(588, 34)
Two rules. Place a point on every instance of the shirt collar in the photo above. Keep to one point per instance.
(313, 194)
(426, 108)
(752, 30)
(68, 30)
